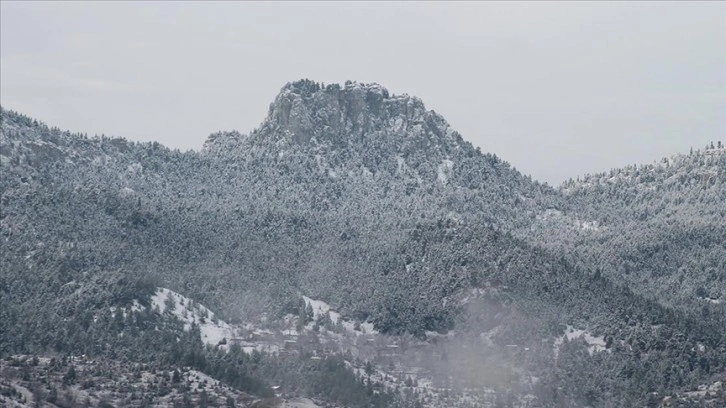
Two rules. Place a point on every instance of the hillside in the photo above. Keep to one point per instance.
(658, 227)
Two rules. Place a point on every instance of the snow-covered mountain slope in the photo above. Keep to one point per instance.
(658, 227)
(682, 187)
(358, 137)
(595, 344)
(681, 171)
(212, 330)
(320, 309)
(29, 381)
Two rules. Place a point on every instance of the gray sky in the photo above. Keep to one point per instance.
(556, 89)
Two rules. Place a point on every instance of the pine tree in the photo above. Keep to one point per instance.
(369, 368)
(309, 313)
(176, 377)
(70, 376)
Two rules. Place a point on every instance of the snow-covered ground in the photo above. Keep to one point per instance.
(595, 343)
(590, 225)
(444, 171)
(299, 403)
(704, 390)
(716, 301)
(212, 330)
(320, 308)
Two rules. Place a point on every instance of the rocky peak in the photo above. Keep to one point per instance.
(354, 126)
(306, 112)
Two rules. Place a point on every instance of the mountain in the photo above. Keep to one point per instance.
(658, 227)
(515, 291)
(360, 134)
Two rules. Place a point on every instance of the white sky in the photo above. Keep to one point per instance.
(556, 89)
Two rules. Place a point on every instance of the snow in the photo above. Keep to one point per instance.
(266, 348)
(715, 151)
(551, 212)
(590, 226)
(299, 403)
(135, 168)
(320, 308)
(444, 171)
(401, 164)
(432, 334)
(595, 343)
(197, 377)
(136, 306)
(127, 192)
(715, 301)
(704, 390)
(211, 332)
(450, 132)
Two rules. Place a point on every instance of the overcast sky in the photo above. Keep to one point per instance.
(556, 89)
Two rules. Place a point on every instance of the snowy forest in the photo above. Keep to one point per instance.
(606, 291)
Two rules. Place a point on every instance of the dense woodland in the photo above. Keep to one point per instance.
(374, 204)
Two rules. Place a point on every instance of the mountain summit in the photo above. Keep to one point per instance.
(353, 134)
(306, 113)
